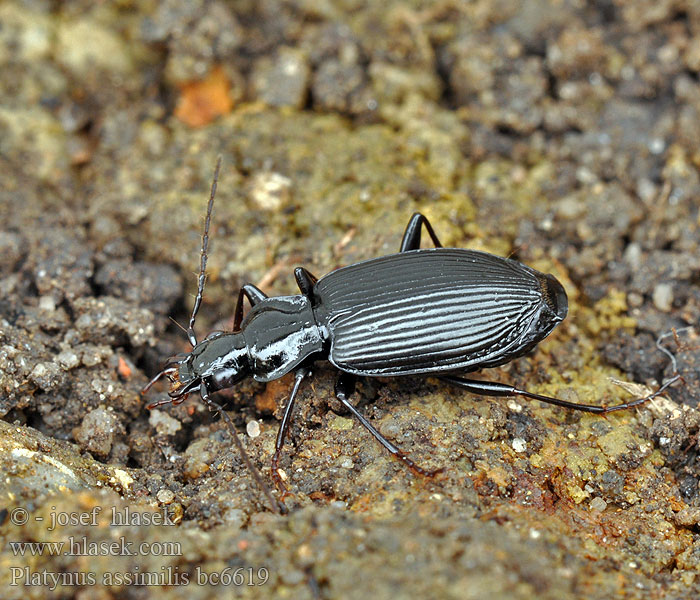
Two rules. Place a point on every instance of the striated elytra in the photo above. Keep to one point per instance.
(435, 310)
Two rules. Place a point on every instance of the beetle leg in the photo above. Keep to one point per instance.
(344, 387)
(411, 237)
(283, 430)
(254, 296)
(489, 388)
(305, 281)
(215, 407)
(158, 403)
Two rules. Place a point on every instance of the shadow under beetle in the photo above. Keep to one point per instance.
(436, 311)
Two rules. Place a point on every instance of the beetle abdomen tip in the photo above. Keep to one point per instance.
(555, 296)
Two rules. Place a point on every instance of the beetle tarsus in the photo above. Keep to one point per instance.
(162, 402)
(277, 478)
(639, 401)
(416, 469)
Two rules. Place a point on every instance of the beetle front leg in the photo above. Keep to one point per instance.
(411, 237)
(282, 433)
(344, 387)
(254, 296)
(489, 388)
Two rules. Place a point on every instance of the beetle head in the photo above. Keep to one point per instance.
(219, 361)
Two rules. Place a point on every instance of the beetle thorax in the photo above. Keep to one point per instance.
(281, 333)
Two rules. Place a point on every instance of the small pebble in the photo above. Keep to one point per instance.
(253, 428)
(635, 300)
(46, 375)
(283, 81)
(519, 445)
(96, 433)
(663, 296)
(39, 371)
(598, 504)
(47, 303)
(163, 423)
(165, 496)
(633, 255)
(68, 359)
(270, 191)
(687, 517)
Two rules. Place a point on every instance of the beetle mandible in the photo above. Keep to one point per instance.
(437, 311)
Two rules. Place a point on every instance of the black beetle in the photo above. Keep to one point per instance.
(436, 311)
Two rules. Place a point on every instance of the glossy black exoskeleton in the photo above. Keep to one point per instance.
(437, 311)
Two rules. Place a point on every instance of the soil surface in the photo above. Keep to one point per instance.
(563, 134)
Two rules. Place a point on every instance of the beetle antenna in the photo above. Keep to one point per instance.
(203, 256)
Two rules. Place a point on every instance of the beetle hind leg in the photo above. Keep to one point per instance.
(344, 387)
(490, 388)
(412, 235)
